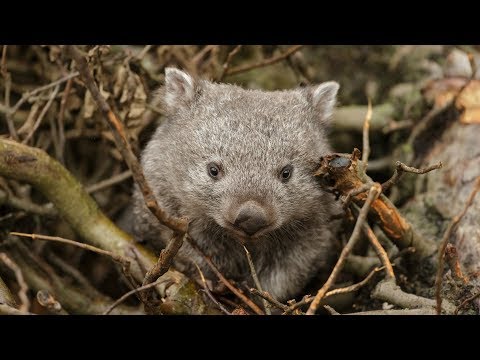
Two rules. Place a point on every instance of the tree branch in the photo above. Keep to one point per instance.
(34, 166)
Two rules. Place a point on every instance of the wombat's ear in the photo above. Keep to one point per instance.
(179, 88)
(323, 98)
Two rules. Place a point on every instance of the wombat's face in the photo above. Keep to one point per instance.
(243, 160)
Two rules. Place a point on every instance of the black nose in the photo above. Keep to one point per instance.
(251, 218)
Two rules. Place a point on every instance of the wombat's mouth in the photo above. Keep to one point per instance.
(244, 237)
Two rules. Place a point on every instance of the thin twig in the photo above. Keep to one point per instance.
(401, 168)
(266, 297)
(109, 182)
(446, 238)
(331, 310)
(348, 198)
(264, 62)
(222, 278)
(209, 294)
(27, 205)
(29, 94)
(227, 63)
(60, 120)
(131, 292)
(42, 114)
(372, 195)
(380, 251)
(256, 280)
(366, 140)
(22, 293)
(120, 259)
(307, 299)
(356, 286)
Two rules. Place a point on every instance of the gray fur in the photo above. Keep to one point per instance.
(253, 134)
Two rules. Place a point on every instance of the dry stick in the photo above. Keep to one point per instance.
(109, 182)
(331, 310)
(366, 140)
(256, 280)
(8, 84)
(60, 120)
(381, 253)
(178, 225)
(265, 295)
(120, 259)
(131, 292)
(26, 205)
(117, 258)
(348, 198)
(208, 292)
(372, 195)
(28, 94)
(451, 255)
(388, 291)
(446, 237)
(307, 299)
(401, 168)
(165, 258)
(222, 278)
(265, 62)
(227, 63)
(42, 114)
(22, 293)
(465, 302)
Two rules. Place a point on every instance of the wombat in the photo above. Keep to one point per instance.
(239, 164)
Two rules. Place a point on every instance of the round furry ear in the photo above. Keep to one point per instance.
(323, 98)
(179, 88)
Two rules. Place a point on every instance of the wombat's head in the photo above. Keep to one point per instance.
(241, 160)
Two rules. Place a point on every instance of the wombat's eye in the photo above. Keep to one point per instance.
(214, 170)
(286, 173)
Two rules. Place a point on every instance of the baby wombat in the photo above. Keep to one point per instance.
(239, 164)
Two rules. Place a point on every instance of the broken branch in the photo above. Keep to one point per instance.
(401, 168)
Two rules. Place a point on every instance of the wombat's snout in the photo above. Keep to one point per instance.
(251, 218)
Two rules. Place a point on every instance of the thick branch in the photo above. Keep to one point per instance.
(34, 166)
(343, 171)
(387, 291)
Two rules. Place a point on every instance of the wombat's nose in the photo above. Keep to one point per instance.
(251, 218)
